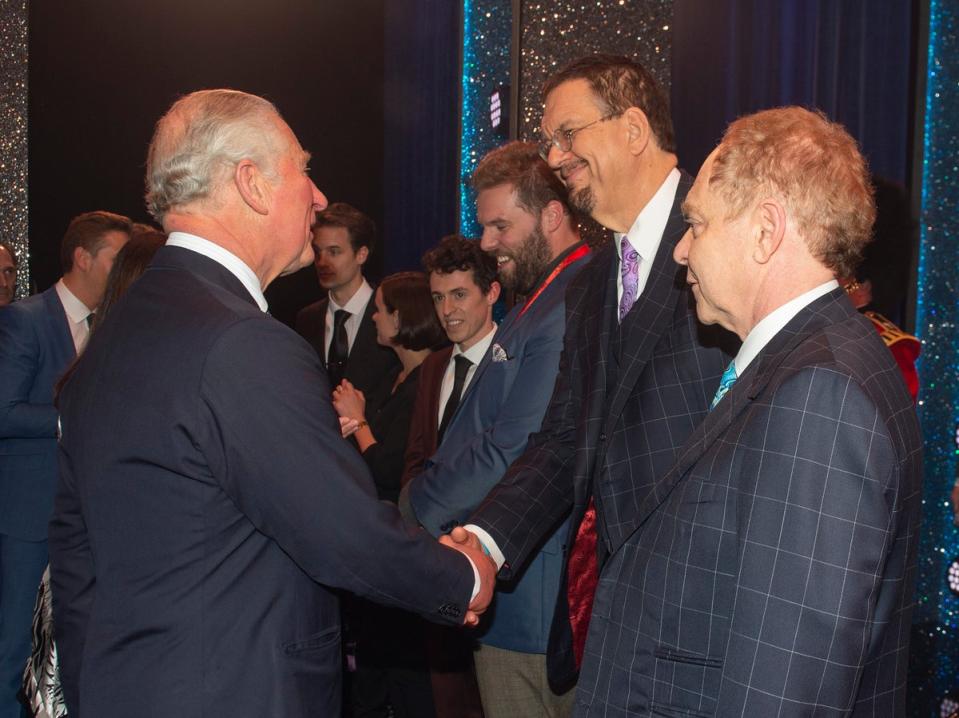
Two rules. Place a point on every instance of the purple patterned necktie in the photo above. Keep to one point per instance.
(628, 268)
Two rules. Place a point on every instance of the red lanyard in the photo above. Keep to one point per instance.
(570, 258)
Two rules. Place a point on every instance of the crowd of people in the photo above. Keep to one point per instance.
(681, 476)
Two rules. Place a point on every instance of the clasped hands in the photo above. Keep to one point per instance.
(469, 545)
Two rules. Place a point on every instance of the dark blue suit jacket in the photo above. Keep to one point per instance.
(205, 504)
(35, 348)
(626, 398)
(503, 405)
(771, 570)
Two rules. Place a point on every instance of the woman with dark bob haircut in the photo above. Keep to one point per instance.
(391, 665)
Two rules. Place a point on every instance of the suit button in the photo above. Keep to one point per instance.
(602, 438)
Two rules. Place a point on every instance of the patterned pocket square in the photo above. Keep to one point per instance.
(499, 354)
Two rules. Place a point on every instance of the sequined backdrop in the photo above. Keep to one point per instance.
(936, 316)
(13, 133)
(555, 33)
(487, 37)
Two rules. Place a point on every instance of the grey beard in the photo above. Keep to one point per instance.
(583, 200)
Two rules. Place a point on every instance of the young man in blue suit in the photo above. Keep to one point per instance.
(207, 503)
(39, 336)
(529, 227)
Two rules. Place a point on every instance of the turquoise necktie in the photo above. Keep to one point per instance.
(729, 378)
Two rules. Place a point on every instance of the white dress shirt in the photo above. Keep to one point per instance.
(770, 325)
(77, 313)
(475, 354)
(356, 306)
(236, 266)
(647, 232)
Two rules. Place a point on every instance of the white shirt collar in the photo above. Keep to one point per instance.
(357, 303)
(229, 261)
(476, 352)
(76, 310)
(770, 325)
(647, 230)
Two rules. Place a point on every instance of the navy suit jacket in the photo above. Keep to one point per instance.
(206, 503)
(502, 406)
(368, 361)
(777, 558)
(35, 349)
(627, 395)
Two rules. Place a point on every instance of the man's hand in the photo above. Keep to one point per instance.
(467, 544)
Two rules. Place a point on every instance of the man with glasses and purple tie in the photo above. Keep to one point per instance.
(638, 371)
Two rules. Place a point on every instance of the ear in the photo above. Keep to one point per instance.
(252, 186)
(638, 131)
(82, 259)
(551, 217)
(362, 254)
(770, 225)
(493, 294)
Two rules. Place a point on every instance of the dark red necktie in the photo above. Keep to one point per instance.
(582, 576)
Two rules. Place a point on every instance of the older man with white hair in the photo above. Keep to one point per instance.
(207, 502)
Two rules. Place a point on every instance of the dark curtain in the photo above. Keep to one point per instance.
(853, 59)
(421, 128)
(850, 58)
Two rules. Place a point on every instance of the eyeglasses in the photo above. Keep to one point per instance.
(563, 139)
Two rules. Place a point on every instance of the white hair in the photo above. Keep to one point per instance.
(199, 141)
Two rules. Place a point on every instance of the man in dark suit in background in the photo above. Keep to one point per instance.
(39, 336)
(206, 499)
(340, 326)
(638, 371)
(531, 231)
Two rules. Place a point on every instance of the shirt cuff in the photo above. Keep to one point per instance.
(489, 545)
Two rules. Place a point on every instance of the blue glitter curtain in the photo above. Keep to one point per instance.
(937, 310)
(487, 39)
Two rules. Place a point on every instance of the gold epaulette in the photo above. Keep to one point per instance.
(889, 332)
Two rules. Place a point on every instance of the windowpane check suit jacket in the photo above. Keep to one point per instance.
(771, 570)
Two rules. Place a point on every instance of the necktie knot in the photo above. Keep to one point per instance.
(725, 383)
(628, 269)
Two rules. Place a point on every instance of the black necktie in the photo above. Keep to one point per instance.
(459, 379)
(339, 347)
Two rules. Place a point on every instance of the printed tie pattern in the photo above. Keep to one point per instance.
(628, 268)
(728, 379)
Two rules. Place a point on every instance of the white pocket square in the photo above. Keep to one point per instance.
(499, 354)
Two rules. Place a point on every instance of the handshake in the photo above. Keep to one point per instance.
(467, 543)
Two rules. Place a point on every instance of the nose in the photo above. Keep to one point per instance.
(319, 199)
(487, 241)
(446, 306)
(681, 253)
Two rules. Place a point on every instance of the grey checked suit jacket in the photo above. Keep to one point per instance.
(771, 571)
(626, 398)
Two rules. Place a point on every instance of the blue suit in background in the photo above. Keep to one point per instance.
(35, 349)
(502, 406)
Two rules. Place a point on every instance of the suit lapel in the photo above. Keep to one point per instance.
(810, 319)
(650, 316)
(59, 327)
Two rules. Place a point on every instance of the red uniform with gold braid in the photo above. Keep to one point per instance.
(904, 347)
